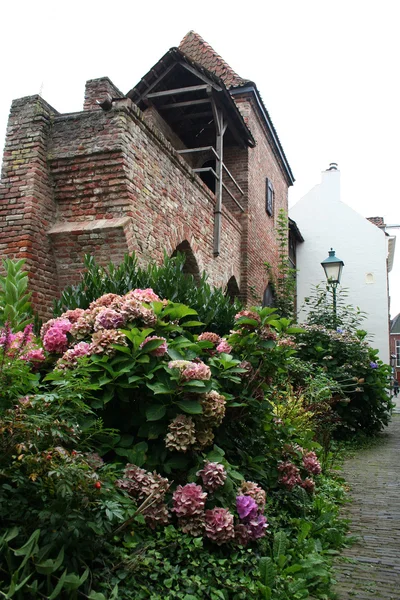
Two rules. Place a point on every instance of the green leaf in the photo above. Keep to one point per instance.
(159, 388)
(267, 571)
(155, 412)
(151, 345)
(192, 407)
(192, 324)
(58, 587)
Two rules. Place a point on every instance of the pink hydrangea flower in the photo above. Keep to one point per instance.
(223, 346)
(146, 295)
(197, 370)
(61, 323)
(311, 463)
(188, 500)
(69, 358)
(219, 525)
(161, 350)
(55, 339)
(213, 475)
(34, 356)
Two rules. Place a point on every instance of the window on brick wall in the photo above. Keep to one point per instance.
(269, 197)
(397, 353)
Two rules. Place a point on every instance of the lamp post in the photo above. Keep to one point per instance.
(333, 268)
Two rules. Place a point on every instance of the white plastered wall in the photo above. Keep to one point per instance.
(325, 222)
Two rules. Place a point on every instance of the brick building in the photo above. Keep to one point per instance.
(187, 160)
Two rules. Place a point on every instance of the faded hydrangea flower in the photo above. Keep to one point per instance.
(193, 525)
(73, 315)
(308, 484)
(147, 295)
(219, 525)
(213, 475)
(106, 300)
(204, 435)
(242, 535)
(249, 488)
(181, 434)
(108, 318)
(83, 326)
(213, 405)
(311, 463)
(189, 500)
(197, 370)
(103, 341)
(290, 475)
(208, 336)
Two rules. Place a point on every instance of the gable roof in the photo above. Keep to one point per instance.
(395, 324)
(201, 52)
(159, 75)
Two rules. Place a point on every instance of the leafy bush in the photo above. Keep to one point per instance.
(131, 380)
(214, 308)
(362, 402)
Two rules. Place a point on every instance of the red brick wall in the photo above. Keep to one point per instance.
(99, 89)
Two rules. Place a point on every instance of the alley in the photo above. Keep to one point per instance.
(370, 569)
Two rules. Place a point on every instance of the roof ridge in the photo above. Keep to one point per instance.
(194, 46)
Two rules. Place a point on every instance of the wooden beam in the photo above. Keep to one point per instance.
(232, 179)
(200, 75)
(206, 169)
(152, 85)
(200, 115)
(192, 88)
(181, 104)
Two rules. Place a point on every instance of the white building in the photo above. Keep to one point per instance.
(366, 250)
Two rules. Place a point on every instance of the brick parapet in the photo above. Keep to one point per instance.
(98, 90)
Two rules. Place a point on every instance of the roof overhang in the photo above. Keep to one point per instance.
(183, 92)
(251, 88)
(295, 230)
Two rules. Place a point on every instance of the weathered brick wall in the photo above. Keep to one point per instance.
(103, 183)
(259, 244)
(110, 182)
(27, 207)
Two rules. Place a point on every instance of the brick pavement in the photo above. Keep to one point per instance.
(370, 569)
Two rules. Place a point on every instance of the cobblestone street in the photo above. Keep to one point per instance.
(370, 568)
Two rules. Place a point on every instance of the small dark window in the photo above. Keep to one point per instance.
(269, 200)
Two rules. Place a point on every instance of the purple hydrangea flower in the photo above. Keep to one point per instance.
(246, 506)
(373, 365)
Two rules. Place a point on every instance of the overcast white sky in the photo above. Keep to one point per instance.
(328, 73)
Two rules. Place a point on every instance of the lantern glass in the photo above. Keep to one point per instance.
(333, 267)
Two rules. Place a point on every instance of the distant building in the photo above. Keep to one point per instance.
(188, 160)
(365, 248)
(395, 345)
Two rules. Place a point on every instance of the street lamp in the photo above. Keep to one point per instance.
(333, 268)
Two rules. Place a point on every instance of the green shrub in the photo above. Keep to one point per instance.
(214, 308)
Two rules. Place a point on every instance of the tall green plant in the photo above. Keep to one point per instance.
(319, 306)
(15, 306)
(283, 280)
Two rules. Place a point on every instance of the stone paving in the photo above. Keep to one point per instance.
(370, 568)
